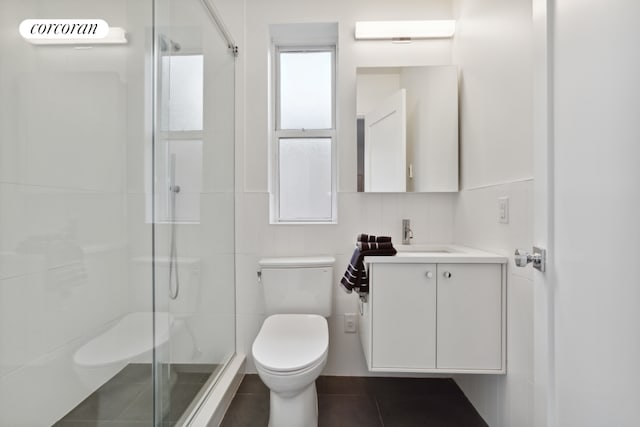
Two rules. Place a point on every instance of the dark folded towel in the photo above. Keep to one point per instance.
(355, 277)
(370, 238)
(354, 273)
(374, 246)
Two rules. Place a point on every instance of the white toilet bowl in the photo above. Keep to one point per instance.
(290, 352)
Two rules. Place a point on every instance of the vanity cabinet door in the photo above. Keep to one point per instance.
(469, 320)
(403, 298)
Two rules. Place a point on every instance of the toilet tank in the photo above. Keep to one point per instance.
(297, 285)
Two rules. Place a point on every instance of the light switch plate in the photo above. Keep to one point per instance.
(503, 210)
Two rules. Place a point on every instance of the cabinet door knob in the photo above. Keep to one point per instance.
(428, 274)
(446, 274)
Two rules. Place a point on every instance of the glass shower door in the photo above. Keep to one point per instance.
(75, 290)
(116, 214)
(193, 207)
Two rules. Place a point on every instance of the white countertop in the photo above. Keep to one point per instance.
(433, 254)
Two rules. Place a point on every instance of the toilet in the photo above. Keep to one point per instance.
(291, 348)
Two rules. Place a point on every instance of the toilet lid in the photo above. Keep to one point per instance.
(291, 342)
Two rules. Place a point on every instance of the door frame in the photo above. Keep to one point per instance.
(543, 202)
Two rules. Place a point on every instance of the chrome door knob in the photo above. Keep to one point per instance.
(538, 258)
(429, 274)
(522, 257)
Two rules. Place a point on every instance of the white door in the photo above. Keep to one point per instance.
(543, 357)
(385, 145)
(587, 206)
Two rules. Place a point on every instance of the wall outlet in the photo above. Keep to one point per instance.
(503, 210)
(350, 322)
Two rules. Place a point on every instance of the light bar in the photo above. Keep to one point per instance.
(404, 30)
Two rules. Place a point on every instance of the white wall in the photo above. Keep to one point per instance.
(431, 215)
(596, 209)
(493, 49)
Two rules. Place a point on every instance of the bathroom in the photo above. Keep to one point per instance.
(131, 233)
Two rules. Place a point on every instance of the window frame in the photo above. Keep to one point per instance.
(277, 133)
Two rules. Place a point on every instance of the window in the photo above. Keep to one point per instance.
(303, 178)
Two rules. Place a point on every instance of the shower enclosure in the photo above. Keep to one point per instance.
(117, 287)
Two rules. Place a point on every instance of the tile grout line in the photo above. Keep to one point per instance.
(143, 390)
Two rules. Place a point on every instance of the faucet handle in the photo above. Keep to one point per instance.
(407, 233)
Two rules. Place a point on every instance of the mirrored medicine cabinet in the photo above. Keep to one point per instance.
(407, 129)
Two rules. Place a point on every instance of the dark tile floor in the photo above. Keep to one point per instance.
(126, 400)
(366, 402)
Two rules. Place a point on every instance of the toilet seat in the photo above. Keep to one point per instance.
(290, 343)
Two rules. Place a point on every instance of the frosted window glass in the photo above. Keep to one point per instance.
(305, 178)
(183, 88)
(306, 90)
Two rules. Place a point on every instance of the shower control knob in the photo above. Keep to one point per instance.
(428, 274)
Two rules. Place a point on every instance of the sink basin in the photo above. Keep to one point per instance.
(422, 253)
(418, 250)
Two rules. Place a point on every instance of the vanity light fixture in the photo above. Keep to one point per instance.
(71, 32)
(404, 30)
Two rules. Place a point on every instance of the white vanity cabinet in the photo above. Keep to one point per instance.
(434, 316)
(469, 317)
(403, 316)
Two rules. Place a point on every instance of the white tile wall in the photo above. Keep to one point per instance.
(503, 400)
(493, 49)
(59, 112)
(480, 207)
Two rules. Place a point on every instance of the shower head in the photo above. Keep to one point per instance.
(168, 45)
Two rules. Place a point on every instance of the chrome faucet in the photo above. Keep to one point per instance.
(407, 234)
